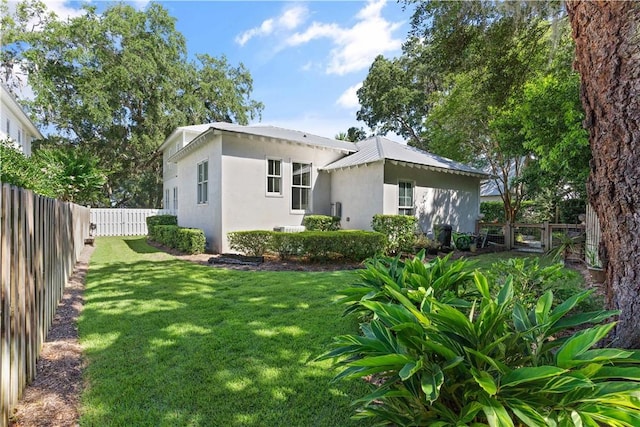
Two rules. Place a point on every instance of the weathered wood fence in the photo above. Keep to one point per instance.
(40, 242)
(541, 237)
(123, 222)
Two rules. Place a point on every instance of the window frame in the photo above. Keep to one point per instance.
(166, 199)
(268, 176)
(175, 198)
(202, 182)
(404, 209)
(301, 187)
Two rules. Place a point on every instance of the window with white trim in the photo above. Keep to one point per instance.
(203, 182)
(175, 198)
(405, 198)
(19, 136)
(166, 199)
(8, 128)
(274, 177)
(300, 186)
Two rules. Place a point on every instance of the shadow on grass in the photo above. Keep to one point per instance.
(173, 343)
(140, 246)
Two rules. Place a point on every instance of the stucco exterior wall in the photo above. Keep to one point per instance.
(359, 190)
(245, 202)
(438, 197)
(204, 216)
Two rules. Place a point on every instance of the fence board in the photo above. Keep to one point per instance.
(123, 222)
(40, 241)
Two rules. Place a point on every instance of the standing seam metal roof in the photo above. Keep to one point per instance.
(377, 148)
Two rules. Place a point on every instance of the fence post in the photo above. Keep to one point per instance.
(508, 236)
(546, 236)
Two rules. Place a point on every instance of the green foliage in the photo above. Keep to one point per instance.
(161, 220)
(321, 223)
(67, 173)
(491, 362)
(413, 278)
(492, 211)
(117, 83)
(316, 245)
(399, 229)
(251, 243)
(188, 240)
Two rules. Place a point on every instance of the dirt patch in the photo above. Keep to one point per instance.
(53, 398)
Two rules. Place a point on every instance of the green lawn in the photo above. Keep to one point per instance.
(171, 343)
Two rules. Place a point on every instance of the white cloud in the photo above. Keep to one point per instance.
(349, 98)
(62, 10)
(355, 47)
(290, 19)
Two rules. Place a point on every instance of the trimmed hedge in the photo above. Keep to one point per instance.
(189, 240)
(251, 243)
(399, 229)
(161, 220)
(316, 245)
(321, 223)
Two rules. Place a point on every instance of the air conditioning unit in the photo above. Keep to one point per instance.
(336, 209)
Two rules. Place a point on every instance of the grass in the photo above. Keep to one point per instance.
(171, 343)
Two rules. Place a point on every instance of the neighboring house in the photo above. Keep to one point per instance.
(222, 177)
(14, 123)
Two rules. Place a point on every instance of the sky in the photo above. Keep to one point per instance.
(306, 58)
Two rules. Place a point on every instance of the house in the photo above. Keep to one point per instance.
(15, 125)
(223, 177)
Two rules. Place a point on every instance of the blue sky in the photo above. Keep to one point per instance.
(306, 58)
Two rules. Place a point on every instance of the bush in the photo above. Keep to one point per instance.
(155, 220)
(317, 245)
(492, 363)
(399, 229)
(189, 240)
(251, 243)
(321, 223)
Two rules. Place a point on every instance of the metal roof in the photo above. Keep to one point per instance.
(272, 132)
(377, 149)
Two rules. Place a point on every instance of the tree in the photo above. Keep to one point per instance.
(117, 83)
(608, 60)
(353, 134)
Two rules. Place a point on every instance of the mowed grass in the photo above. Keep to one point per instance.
(171, 343)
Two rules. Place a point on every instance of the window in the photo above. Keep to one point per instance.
(300, 186)
(8, 128)
(19, 136)
(175, 198)
(166, 199)
(203, 182)
(274, 176)
(405, 198)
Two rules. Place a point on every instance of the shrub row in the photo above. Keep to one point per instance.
(321, 223)
(399, 229)
(317, 245)
(189, 240)
(161, 220)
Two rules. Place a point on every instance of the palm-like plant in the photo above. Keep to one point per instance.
(494, 363)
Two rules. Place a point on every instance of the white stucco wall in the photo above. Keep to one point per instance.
(245, 202)
(439, 197)
(359, 190)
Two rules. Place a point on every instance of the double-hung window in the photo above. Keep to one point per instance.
(405, 198)
(300, 186)
(175, 198)
(166, 199)
(203, 182)
(274, 177)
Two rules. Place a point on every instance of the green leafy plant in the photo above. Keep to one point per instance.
(321, 223)
(399, 229)
(189, 240)
(251, 243)
(494, 364)
(413, 278)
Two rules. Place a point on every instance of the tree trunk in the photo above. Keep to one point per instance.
(607, 36)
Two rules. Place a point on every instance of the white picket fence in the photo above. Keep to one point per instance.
(123, 222)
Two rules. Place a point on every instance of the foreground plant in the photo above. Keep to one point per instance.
(495, 364)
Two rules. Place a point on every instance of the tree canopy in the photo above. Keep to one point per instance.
(489, 83)
(115, 84)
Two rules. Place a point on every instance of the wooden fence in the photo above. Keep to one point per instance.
(40, 242)
(123, 222)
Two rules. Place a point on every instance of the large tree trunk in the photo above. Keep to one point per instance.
(607, 36)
